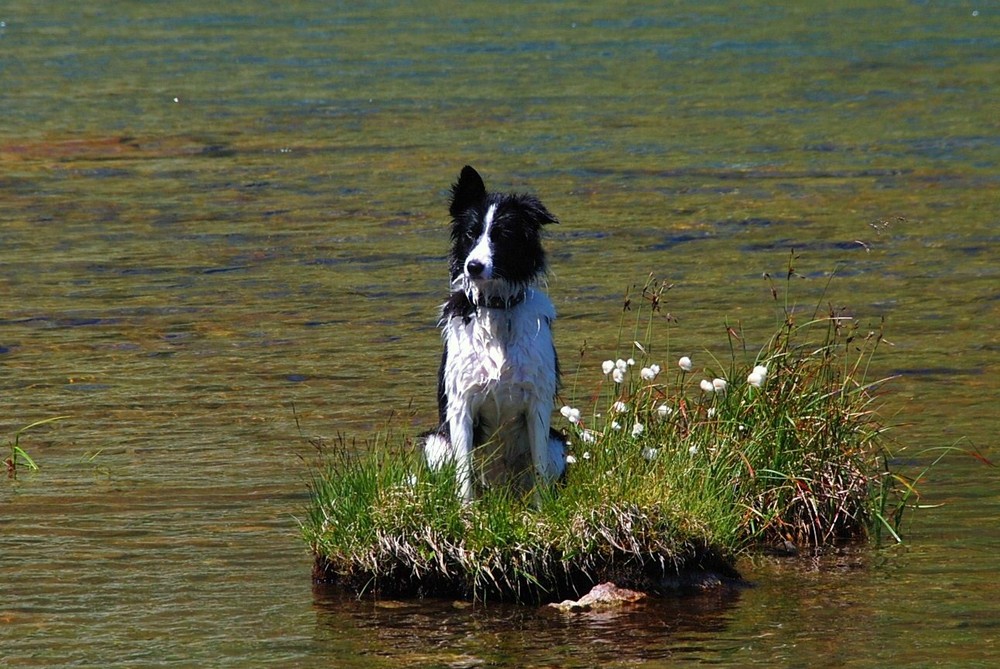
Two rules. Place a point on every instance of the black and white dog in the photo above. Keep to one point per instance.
(499, 372)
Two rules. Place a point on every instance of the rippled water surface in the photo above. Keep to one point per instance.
(222, 230)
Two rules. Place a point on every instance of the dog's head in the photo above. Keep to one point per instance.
(496, 247)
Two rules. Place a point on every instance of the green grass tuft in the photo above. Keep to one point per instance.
(393, 526)
(18, 456)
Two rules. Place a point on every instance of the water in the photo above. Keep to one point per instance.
(222, 235)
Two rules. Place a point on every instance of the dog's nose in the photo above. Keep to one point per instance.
(474, 267)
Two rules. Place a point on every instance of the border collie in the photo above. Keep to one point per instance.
(499, 372)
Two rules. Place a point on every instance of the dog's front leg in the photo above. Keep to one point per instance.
(461, 442)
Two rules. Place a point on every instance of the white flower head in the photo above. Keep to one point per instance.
(648, 373)
(760, 369)
(615, 425)
(707, 386)
(570, 414)
(619, 407)
(607, 366)
(719, 385)
(617, 375)
(756, 380)
(650, 453)
(693, 450)
(685, 363)
(621, 365)
(630, 362)
(663, 411)
(638, 429)
(711, 412)
(588, 436)
(570, 459)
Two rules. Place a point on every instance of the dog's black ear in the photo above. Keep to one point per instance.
(539, 214)
(467, 191)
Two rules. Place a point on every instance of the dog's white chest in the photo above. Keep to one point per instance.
(506, 356)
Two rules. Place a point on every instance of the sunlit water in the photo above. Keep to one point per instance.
(223, 230)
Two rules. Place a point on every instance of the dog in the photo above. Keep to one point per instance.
(499, 371)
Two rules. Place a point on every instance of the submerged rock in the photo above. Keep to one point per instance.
(602, 596)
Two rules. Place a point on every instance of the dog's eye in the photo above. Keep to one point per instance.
(503, 232)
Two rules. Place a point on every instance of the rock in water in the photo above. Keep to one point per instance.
(602, 596)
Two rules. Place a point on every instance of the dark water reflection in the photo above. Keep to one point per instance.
(221, 235)
(460, 634)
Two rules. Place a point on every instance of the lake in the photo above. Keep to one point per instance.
(223, 231)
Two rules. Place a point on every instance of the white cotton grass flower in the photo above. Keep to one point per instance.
(630, 362)
(570, 414)
(619, 407)
(649, 373)
(711, 412)
(719, 385)
(685, 363)
(617, 375)
(588, 436)
(607, 366)
(621, 365)
(707, 386)
(637, 430)
(650, 453)
(615, 425)
(664, 411)
(757, 376)
(570, 459)
(693, 451)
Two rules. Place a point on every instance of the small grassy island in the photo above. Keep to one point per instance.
(674, 470)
